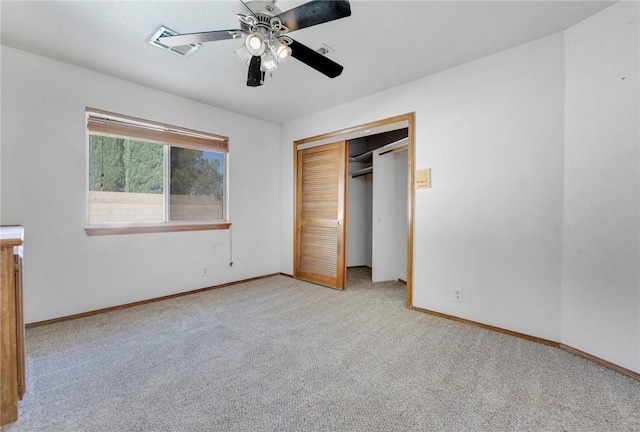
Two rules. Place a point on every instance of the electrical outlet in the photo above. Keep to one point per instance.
(457, 295)
(205, 272)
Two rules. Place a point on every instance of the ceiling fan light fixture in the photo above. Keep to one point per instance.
(244, 55)
(281, 51)
(255, 44)
(269, 62)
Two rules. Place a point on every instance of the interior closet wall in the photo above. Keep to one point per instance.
(359, 221)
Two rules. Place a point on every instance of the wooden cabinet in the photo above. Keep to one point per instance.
(12, 373)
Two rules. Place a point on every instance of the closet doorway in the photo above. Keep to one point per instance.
(394, 154)
(377, 204)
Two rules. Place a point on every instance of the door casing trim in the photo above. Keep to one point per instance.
(365, 130)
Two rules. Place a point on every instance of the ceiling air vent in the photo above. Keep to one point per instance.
(182, 51)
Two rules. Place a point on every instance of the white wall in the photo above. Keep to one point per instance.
(44, 188)
(541, 231)
(492, 132)
(357, 213)
(601, 258)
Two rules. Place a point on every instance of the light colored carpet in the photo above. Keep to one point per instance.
(283, 355)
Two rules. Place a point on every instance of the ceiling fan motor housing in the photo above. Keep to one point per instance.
(263, 11)
(265, 8)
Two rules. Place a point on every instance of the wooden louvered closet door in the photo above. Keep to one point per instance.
(320, 215)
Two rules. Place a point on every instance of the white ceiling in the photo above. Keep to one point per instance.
(381, 45)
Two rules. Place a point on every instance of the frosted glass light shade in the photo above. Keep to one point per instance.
(283, 54)
(268, 62)
(255, 44)
(281, 51)
(244, 55)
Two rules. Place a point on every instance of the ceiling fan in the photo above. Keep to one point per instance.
(265, 29)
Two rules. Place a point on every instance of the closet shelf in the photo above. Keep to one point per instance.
(361, 172)
(368, 156)
(393, 145)
(363, 157)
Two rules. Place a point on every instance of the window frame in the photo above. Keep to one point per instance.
(105, 123)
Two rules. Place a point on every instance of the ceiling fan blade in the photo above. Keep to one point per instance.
(255, 77)
(315, 12)
(196, 38)
(315, 60)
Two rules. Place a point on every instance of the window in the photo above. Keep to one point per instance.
(150, 177)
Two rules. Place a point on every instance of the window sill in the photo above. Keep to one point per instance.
(98, 230)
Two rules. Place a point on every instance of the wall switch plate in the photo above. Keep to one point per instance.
(205, 272)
